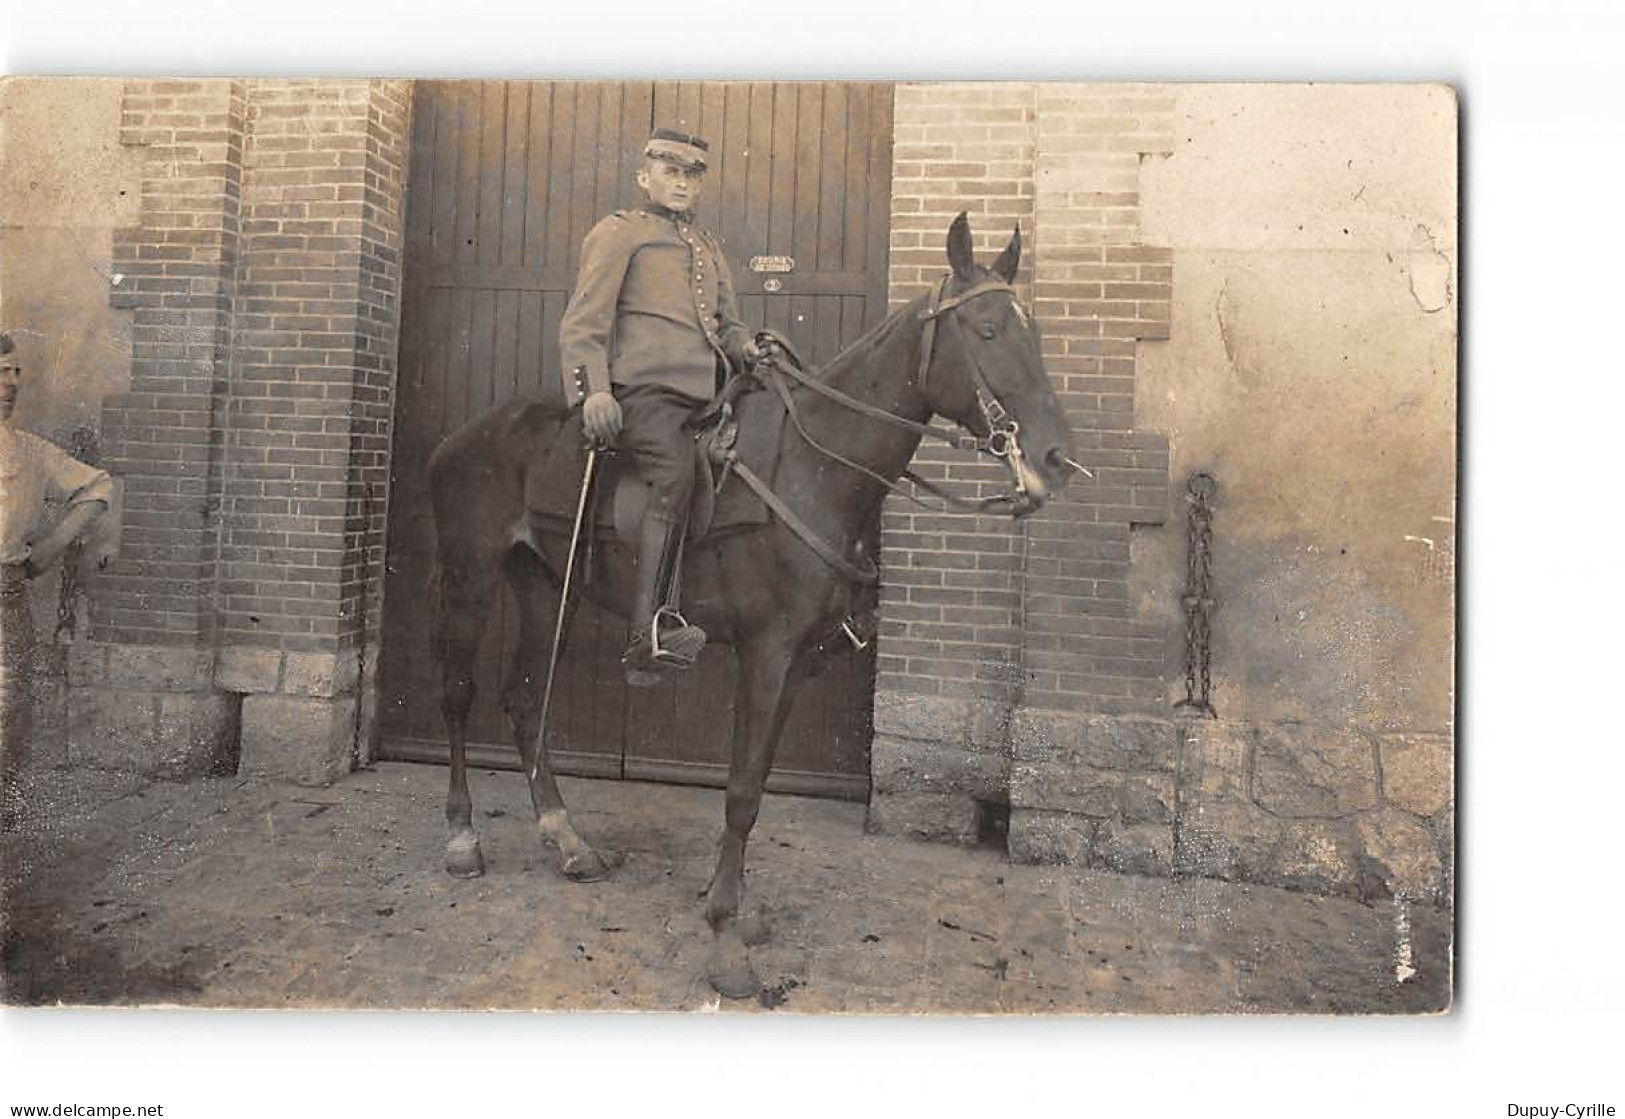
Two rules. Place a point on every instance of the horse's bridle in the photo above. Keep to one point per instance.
(1001, 440)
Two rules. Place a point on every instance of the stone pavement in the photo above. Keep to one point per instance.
(241, 893)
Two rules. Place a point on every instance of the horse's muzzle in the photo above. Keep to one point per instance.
(1031, 489)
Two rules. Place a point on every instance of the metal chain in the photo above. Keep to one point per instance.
(82, 445)
(67, 619)
(1198, 597)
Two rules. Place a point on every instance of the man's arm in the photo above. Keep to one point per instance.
(737, 340)
(85, 490)
(589, 320)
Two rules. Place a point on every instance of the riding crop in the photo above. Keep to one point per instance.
(563, 619)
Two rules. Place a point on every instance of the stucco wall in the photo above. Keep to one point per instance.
(1311, 370)
(65, 183)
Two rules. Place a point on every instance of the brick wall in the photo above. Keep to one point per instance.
(141, 692)
(174, 271)
(949, 601)
(264, 280)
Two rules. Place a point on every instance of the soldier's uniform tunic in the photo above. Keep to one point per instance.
(653, 319)
(32, 472)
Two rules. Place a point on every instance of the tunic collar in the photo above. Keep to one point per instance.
(660, 211)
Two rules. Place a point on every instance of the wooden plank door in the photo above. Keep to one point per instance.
(505, 180)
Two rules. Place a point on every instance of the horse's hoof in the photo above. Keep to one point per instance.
(463, 857)
(755, 930)
(591, 866)
(729, 971)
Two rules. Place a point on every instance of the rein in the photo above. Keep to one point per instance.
(999, 442)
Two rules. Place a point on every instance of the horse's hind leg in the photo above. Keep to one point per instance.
(538, 600)
(462, 601)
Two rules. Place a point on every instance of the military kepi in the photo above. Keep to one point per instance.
(677, 147)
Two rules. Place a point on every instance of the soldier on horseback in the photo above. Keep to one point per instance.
(650, 331)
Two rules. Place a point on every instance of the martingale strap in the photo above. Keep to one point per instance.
(868, 574)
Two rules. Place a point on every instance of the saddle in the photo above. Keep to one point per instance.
(620, 495)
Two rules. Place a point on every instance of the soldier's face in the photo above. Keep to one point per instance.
(11, 380)
(666, 184)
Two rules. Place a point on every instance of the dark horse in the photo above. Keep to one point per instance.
(967, 352)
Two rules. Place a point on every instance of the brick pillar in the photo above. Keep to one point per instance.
(256, 588)
(308, 430)
(1013, 672)
(1093, 749)
(948, 666)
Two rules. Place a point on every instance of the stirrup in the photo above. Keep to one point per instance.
(653, 652)
(679, 645)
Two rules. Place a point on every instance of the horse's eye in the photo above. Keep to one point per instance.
(987, 330)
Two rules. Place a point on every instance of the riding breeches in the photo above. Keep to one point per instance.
(652, 432)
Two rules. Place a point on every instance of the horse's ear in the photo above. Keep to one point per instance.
(1006, 264)
(961, 258)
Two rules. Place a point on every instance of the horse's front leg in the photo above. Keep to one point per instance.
(768, 680)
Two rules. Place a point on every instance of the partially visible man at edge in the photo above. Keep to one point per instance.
(33, 472)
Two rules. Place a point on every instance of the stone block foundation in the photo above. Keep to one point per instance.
(1319, 809)
(175, 714)
(940, 767)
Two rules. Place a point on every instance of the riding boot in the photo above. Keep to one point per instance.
(659, 638)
